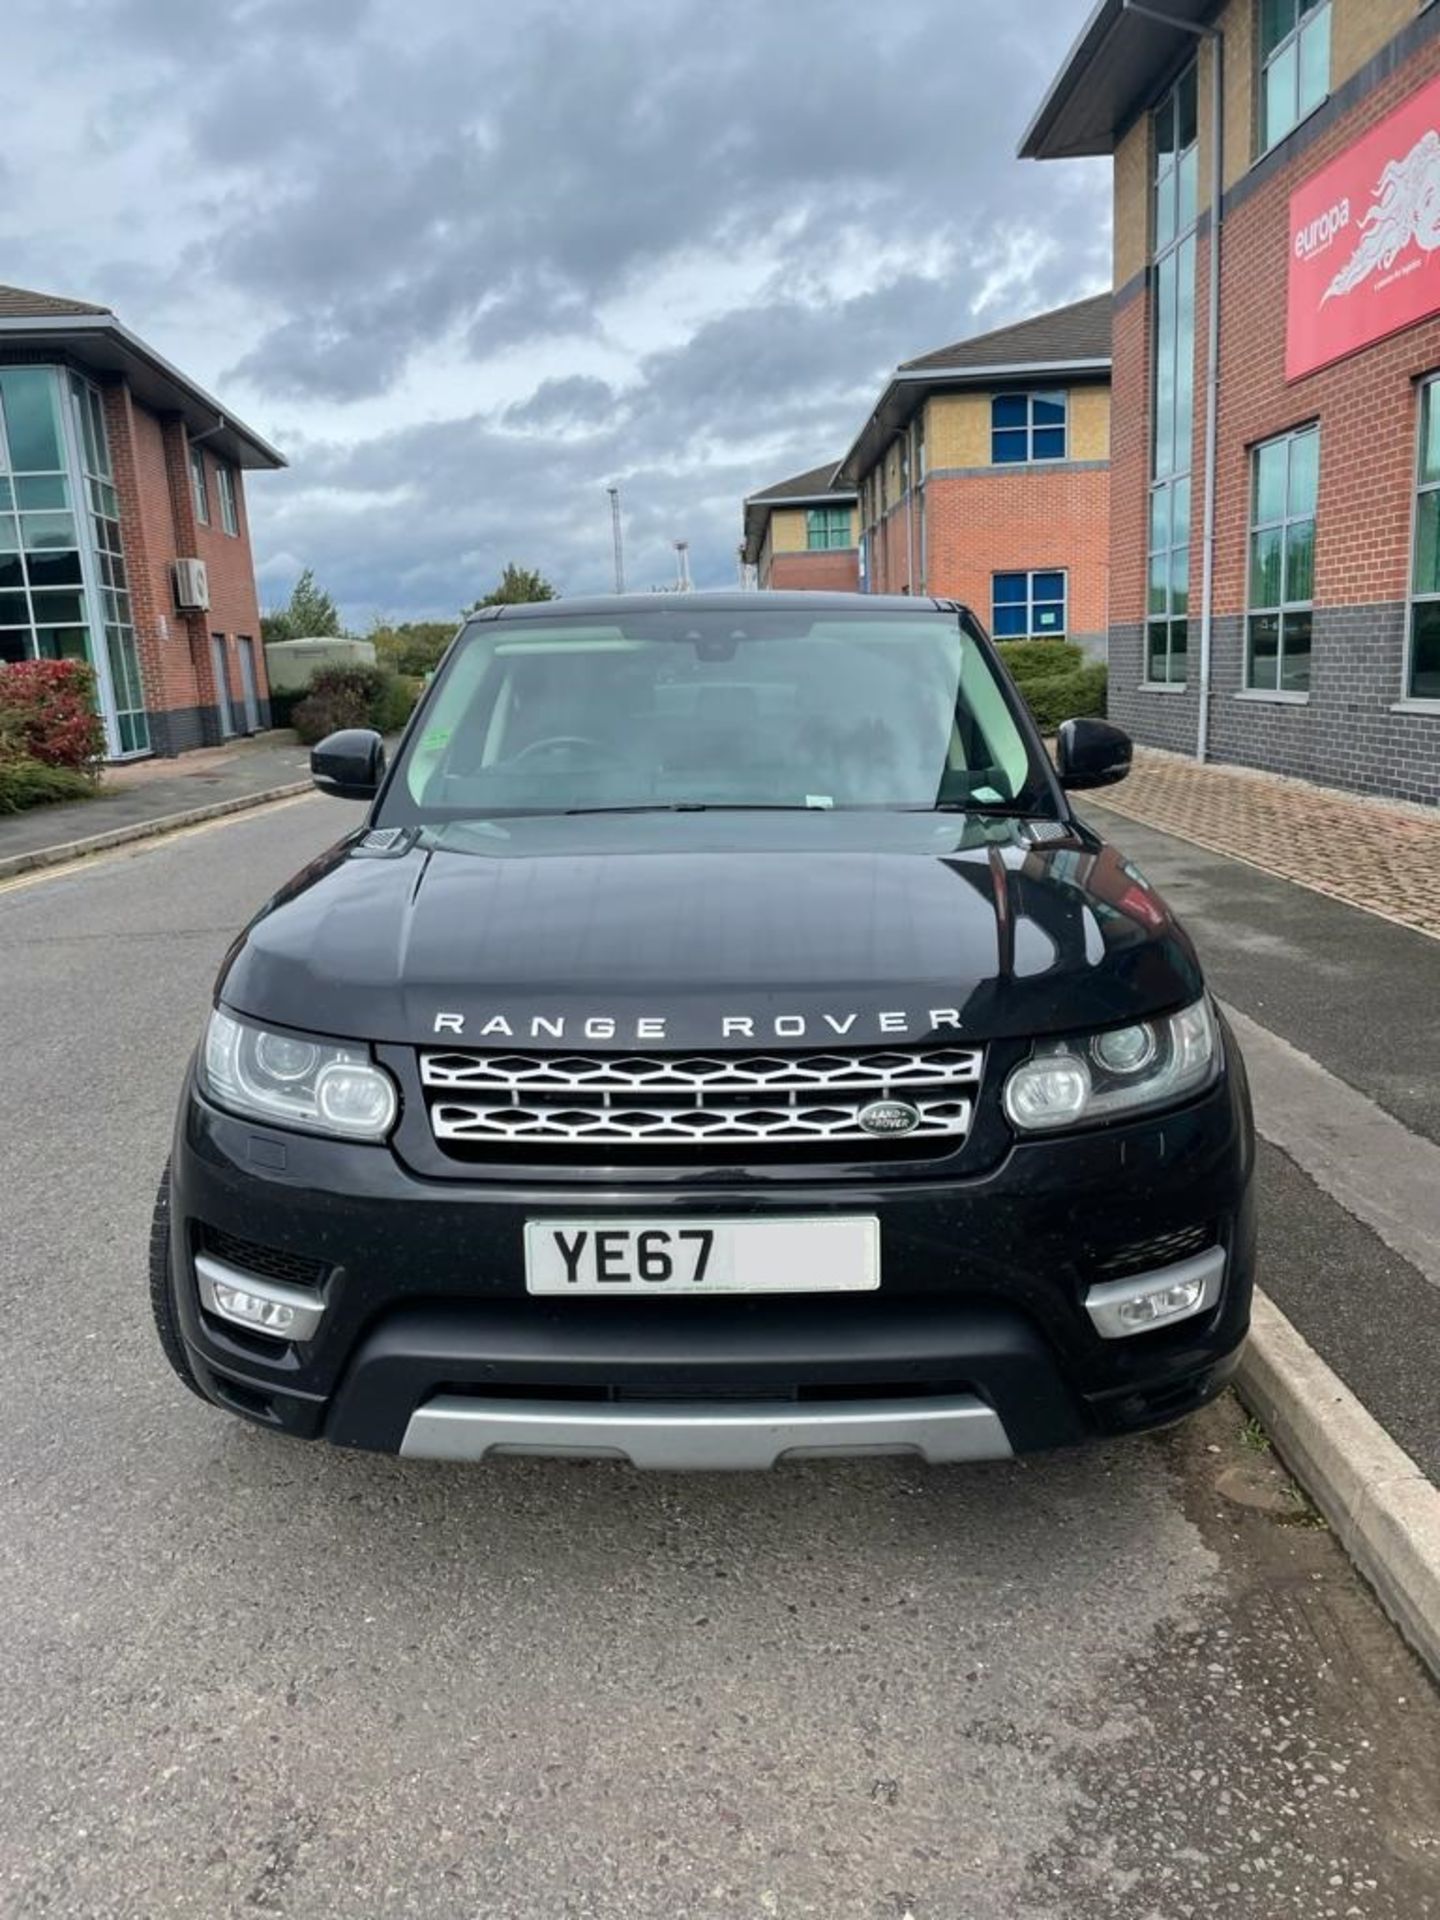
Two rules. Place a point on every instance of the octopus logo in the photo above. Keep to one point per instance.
(1406, 213)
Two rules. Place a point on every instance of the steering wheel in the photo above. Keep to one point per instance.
(566, 742)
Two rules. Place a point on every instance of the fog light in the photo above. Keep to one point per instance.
(263, 1306)
(1119, 1308)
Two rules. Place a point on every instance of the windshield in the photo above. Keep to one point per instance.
(661, 708)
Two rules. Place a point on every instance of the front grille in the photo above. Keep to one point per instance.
(272, 1262)
(1162, 1250)
(777, 1101)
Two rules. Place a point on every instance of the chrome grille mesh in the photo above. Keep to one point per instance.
(635, 1100)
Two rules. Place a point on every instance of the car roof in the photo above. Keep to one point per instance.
(614, 604)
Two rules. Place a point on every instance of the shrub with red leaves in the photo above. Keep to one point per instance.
(47, 713)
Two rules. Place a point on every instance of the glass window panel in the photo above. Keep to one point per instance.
(1187, 100)
(1180, 521)
(1165, 210)
(1304, 475)
(1179, 649)
(1159, 582)
(1008, 410)
(1264, 651)
(9, 533)
(1265, 563)
(12, 574)
(28, 396)
(1165, 366)
(53, 569)
(62, 643)
(14, 610)
(1425, 652)
(1269, 501)
(1295, 657)
(1010, 622)
(1185, 353)
(1159, 517)
(1187, 177)
(1180, 580)
(1009, 587)
(1427, 544)
(1300, 561)
(47, 530)
(43, 490)
(1049, 586)
(7, 495)
(1158, 665)
(1049, 409)
(1277, 17)
(1050, 443)
(57, 609)
(1009, 448)
(1314, 60)
(1280, 78)
(1429, 433)
(15, 646)
(1049, 619)
(1165, 130)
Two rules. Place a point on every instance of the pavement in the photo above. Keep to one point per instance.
(1378, 854)
(141, 797)
(240, 1674)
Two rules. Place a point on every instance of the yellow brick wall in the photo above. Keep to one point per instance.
(957, 430)
(767, 554)
(1237, 23)
(1090, 423)
(1132, 201)
(787, 530)
(1359, 29)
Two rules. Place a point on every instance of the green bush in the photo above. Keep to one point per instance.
(30, 783)
(353, 697)
(1065, 696)
(1041, 659)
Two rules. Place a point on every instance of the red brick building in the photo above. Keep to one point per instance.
(1295, 625)
(801, 533)
(115, 472)
(983, 475)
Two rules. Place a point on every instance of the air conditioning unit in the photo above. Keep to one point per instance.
(192, 586)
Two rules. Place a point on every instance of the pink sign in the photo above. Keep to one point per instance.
(1365, 239)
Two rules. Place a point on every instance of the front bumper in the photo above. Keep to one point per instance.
(976, 1346)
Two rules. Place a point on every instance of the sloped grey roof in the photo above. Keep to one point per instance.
(20, 303)
(1080, 331)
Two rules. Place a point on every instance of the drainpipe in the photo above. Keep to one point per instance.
(910, 510)
(1212, 352)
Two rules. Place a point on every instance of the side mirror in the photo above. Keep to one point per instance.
(1092, 753)
(349, 765)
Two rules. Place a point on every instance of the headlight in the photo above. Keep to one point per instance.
(295, 1081)
(1146, 1064)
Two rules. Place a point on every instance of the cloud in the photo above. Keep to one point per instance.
(471, 262)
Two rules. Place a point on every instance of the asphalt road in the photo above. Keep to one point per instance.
(240, 1675)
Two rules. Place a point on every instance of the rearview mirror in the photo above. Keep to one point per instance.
(349, 764)
(1092, 753)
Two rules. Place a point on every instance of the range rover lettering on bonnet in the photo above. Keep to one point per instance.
(730, 1026)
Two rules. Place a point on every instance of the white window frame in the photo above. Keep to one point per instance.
(1306, 23)
(1029, 575)
(228, 495)
(1030, 428)
(199, 489)
(1283, 605)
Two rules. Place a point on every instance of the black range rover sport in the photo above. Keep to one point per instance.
(721, 1042)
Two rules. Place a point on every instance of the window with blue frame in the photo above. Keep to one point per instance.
(1026, 427)
(1028, 606)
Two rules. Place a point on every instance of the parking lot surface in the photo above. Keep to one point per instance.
(241, 1675)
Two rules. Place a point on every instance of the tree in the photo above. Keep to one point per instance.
(517, 584)
(310, 612)
(411, 646)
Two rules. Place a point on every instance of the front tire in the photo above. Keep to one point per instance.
(162, 1299)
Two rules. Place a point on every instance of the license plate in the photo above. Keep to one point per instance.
(702, 1256)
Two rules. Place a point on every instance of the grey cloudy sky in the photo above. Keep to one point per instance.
(469, 263)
